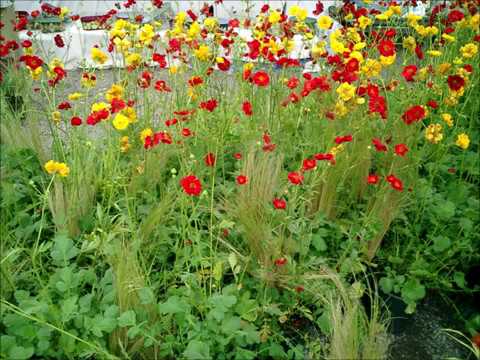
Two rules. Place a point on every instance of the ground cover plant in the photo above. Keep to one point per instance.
(210, 199)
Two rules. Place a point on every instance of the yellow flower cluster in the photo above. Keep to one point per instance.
(54, 167)
(433, 133)
(463, 141)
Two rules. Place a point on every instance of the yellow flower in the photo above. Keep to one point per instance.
(56, 117)
(346, 91)
(124, 144)
(98, 56)
(356, 55)
(145, 133)
(120, 122)
(337, 46)
(318, 49)
(248, 66)
(387, 60)
(448, 37)
(122, 45)
(74, 96)
(115, 92)
(173, 69)
(210, 23)
(100, 106)
(324, 22)
(463, 141)
(469, 50)
(194, 30)
(63, 11)
(444, 68)
(53, 167)
(130, 113)
(88, 80)
(146, 34)
(412, 19)
(133, 59)
(35, 74)
(340, 109)
(433, 133)
(274, 17)
(475, 22)
(371, 68)
(434, 53)
(364, 21)
(448, 119)
(409, 43)
(298, 12)
(202, 53)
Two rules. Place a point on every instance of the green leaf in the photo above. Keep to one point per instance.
(459, 278)
(276, 351)
(319, 243)
(63, 249)
(173, 305)
(20, 352)
(230, 325)
(386, 284)
(197, 350)
(146, 296)
(445, 209)
(69, 306)
(441, 243)
(413, 291)
(128, 318)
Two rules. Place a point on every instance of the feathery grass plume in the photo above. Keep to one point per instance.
(251, 206)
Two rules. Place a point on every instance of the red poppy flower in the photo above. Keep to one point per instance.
(160, 60)
(342, 139)
(224, 65)
(321, 157)
(209, 159)
(455, 15)
(409, 72)
(32, 61)
(309, 164)
(242, 179)
(76, 121)
(295, 178)
(247, 108)
(293, 82)
(191, 185)
(209, 105)
(64, 106)
(117, 105)
(395, 182)
(261, 78)
(186, 132)
(377, 104)
(279, 204)
(59, 41)
(195, 80)
(373, 179)
(455, 82)
(386, 48)
(414, 113)
(264, 8)
(171, 122)
(26, 44)
(379, 145)
(280, 262)
(433, 104)
(401, 149)
(161, 85)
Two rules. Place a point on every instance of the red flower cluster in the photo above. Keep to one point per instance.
(191, 185)
(413, 114)
(209, 105)
(157, 138)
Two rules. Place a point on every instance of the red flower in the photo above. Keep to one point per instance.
(379, 145)
(247, 108)
(76, 121)
(373, 179)
(171, 122)
(224, 65)
(242, 179)
(318, 8)
(191, 185)
(419, 52)
(320, 157)
(209, 159)
(59, 41)
(264, 8)
(161, 86)
(186, 132)
(401, 149)
(64, 106)
(295, 178)
(261, 78)
(415, 113)
(309, 164)
(280, 262)
(26, 44)
(433, 104)
(455, 82)
(395, 182)
(195, 80)
(377, 104)
(279, 204)
(117, 105)
(409, 72)
(32, 61)
(342, 139)
(209, 105)
(386, 48)
(455, 15)
(293, 82)
(160, 60)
